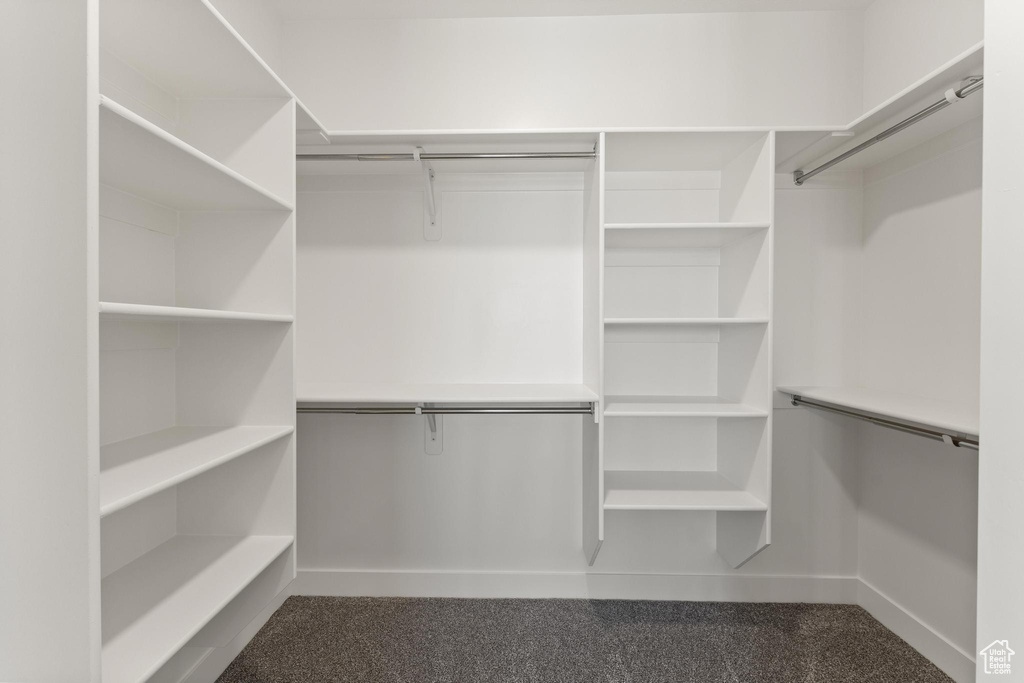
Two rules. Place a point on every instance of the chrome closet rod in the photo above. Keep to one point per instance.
(975, 84)
(446, 156)
(448, 410)
(958, 441)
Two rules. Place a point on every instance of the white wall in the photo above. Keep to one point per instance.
(906, 39)
(920, 275)
(49, 532)
(656, 70)
(259, 24)
(1001, 476)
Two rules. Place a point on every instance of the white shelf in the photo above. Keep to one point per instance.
(677, 235)
(154, 605)
(808, 149)
(140, 312)
(214, 62)
(136, 468)
(142, 159)
(942, 415)
(695, 322)
(677, 406)
(676, 491)
(445, 393)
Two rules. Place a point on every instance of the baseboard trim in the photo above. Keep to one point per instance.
(955, 662)
(213, 665)
(728, 588)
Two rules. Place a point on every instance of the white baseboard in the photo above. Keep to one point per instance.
(954, 661)
(729, 588)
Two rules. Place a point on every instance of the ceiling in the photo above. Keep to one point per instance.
(296, 10)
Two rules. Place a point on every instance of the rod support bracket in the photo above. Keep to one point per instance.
(431, 219)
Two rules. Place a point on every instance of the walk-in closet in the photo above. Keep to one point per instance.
(511, 341)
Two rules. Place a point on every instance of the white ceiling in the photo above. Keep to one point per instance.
(292, 10)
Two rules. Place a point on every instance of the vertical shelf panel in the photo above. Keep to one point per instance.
(688, 329)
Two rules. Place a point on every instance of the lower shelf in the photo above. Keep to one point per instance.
(707, 491)
(154, 605)
(677, 406)
(139, 467)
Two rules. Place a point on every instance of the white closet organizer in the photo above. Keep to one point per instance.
(942, 109)
(472, 271)
(196, 274)
(687, 337)
(650, 298)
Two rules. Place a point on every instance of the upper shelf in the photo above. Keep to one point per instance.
(186, 48)
(805, 150)
(215, 61)
(942, 415)
(110, 310)
(142, 159)
(445, 393)
(136, 468)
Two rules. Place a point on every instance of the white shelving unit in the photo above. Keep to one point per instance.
(686, 388)
(195, 306)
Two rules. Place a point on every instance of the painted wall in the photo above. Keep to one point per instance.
(906, 39)
(655, 70)
(49, 595)
(259, 24)
(1001, 476)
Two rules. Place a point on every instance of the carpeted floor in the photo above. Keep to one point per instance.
(400, 640)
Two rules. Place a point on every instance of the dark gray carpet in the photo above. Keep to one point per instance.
(400, 640)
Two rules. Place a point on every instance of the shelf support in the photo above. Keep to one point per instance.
(431, 221)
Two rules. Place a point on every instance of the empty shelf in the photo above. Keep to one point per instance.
(136, 468)
(213, 63)
(676, 491)
(941, 415)
(677, 406)
(154, 605)
(445, 393)
(118, 311)
(677, 235)
(142, 159)
(696, 322)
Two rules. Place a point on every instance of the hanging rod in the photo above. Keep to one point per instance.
(906, 427)
(448, 410)
(972, 85)
(446, 156)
